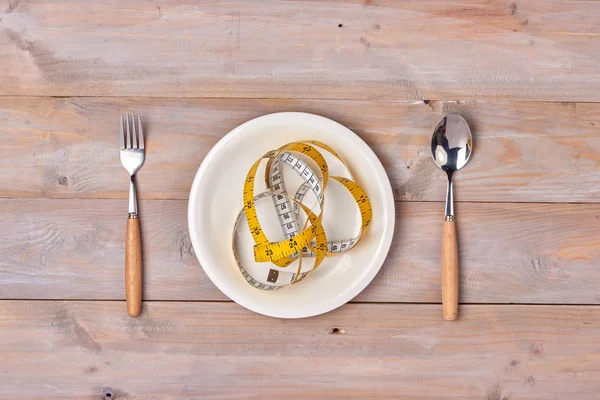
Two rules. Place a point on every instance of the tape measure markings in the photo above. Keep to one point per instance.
(311, 241)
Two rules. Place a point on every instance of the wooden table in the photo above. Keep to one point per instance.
(524, 73)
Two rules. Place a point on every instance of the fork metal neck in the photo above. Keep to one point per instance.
(133, 212)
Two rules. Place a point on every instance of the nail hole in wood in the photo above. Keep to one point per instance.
(108, 393)
(337, 331)
(340, 25)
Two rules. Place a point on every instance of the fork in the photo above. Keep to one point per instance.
(132, 158)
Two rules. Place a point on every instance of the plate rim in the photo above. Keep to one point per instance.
(384, 244)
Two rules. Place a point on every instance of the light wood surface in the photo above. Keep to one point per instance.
(524, 152)
(450, 280)
(524, 74)
(133, 267)
(176, 350)
(510, 253)
(525, 50)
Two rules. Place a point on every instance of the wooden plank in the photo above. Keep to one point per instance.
(509, 253)
(473, 49)
(73, 350)
(75, 249)
(524, 152)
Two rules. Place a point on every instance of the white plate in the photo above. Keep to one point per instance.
(216, 198)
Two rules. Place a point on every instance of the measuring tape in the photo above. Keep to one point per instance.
(307, 240)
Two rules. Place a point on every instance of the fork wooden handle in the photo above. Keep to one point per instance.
(449, 271)
(133, 267)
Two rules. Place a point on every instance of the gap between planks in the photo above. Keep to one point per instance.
(349, 99)
(550, 203)
(398, 303)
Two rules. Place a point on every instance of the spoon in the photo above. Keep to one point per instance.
(451, 147)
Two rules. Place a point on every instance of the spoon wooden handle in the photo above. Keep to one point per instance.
(133, 267)
(449, 271)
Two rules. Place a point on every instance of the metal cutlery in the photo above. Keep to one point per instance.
(132, 157)
(451, 147)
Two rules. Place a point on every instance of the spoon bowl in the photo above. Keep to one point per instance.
(451, 143)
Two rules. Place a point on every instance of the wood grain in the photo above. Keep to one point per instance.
(523, 152)
(449, 262)
(133, 267)
(73, 350)
(474, 49)
(509, 253)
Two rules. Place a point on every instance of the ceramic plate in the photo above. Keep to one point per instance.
(216, 199)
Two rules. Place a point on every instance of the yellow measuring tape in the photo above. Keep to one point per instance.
(308, 239)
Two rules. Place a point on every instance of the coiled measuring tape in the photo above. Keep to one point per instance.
(307, 240)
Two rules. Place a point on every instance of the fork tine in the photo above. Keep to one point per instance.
(122, 134)
(140, 132)
(135, 133)
(128, 132)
